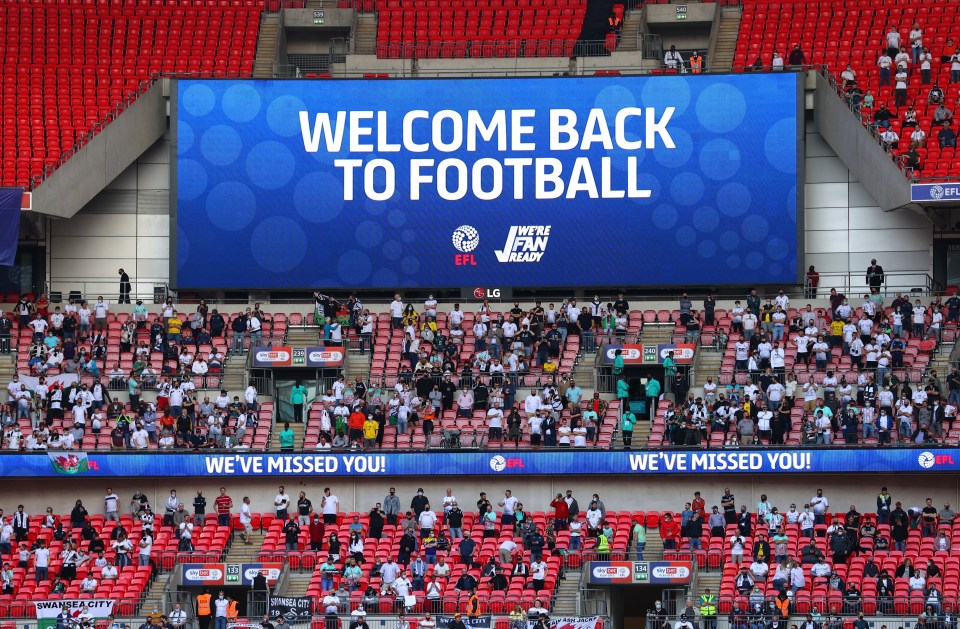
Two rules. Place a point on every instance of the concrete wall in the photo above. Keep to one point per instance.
(845, 227)
(74, 184)
(647, 493)
(125, 225)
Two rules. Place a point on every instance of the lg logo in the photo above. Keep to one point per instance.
(486, 293)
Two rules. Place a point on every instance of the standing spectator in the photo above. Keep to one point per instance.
(281, 503)
(796, 59)
(673, 60)
(124, 287)
(330, 505)
(885, 63)
(875, 276)
(223, 504)
(298, 394)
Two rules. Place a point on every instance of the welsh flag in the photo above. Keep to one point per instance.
(69, 463)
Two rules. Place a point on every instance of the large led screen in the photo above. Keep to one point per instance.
(628, 181)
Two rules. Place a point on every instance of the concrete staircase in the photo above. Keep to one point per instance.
(304, 336)
(154, 595)
(263, 65)
(299, 430)
(632, 21)
(239, 551)
(365, 34)
(568, 591)
(940, 362)
(297, 583)
(356, 364)
(235, 374)
(725, 44)
(707, 365)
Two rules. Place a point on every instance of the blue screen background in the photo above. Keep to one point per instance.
(255, 210)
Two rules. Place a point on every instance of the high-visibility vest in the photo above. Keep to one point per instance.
(233, 610)
(603, 544)
(696, 63)
(708, 605)
(203, 605)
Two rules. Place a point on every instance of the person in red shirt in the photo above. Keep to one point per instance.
(223, 504)
(669, 531)
(813, 280)
(318, 531)
(698, 503)
(355, 425)
(562, 510)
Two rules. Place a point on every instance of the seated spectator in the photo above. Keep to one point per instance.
(941, 114)
(882, 117)
(947, 136)
(890, 141)
(918, 138)
(935, 95)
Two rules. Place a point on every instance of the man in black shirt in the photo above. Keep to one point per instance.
(377, 520)
(304, 509)
(621, 305)
(929, 519)
(199, 506)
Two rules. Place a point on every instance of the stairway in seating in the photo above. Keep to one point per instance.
(632, 20)
(726, 40)
(267, 46)
(365, 34)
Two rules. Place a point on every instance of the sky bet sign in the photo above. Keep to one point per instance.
(650, 180)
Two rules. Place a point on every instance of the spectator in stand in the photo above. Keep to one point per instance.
(925, 60)
(673, 60)
(885, 63)
(796, 59)
(892, 40)
(941, 114)
(947, 137)
(900, 86)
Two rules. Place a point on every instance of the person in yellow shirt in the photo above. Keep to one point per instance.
(550, 366)
(174, 325)
(370, 430)
(836, 332)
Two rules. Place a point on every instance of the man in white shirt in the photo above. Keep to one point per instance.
(330, 505)
(538, 573)
(140, 438)
(819, 504)
(178, 617)
(427, 521)
(281, 502)
(111, 505)
(88, 585)
(532, 404)
(246, 520)
(509, 504)
(396, 312)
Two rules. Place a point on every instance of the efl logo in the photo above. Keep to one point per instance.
(671, 572)
(611, 572)
(465, 239)
(629, 353)
(203, 574)
(486, 293)
(929, 459)
(525, 243)
(272, 356)
(499, 463)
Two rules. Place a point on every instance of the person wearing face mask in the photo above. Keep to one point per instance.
(419, 502)
(221, 606)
